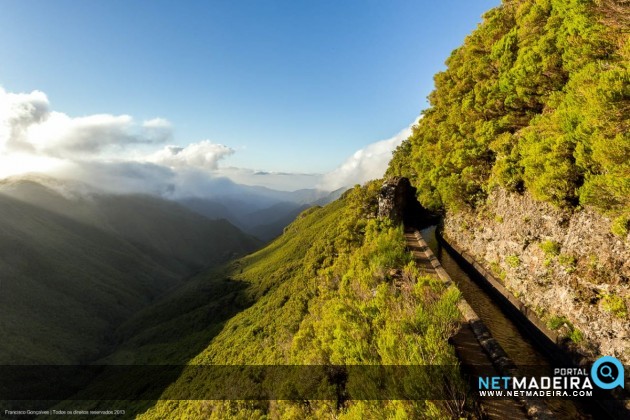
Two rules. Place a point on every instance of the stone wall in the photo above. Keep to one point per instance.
(565, 266)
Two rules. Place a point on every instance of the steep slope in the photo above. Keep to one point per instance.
(259, 211)
(335, 288)
(526, 148)
(64, 284)
(75, 264)
(269, 223)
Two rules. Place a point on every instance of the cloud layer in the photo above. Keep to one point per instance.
(365, 164)
(27, 124)
(118, 153)
(204, 155)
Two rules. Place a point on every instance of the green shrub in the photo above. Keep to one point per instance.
(535, 99)
(620, 226)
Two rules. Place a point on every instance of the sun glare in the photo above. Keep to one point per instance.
(17, 164)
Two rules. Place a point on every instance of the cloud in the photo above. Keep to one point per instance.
(118, 153)
(282, 181)
(28, 124)
(18, 112)
(204, 155)
(121, 177)
(365, 164)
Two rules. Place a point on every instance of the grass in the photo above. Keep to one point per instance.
(322, 293)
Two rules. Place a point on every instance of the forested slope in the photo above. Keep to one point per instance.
(525, 148)
(538, 99)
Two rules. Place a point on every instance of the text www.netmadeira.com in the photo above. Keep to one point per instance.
(534, 393)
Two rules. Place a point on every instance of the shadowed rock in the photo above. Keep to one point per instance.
(397, 201)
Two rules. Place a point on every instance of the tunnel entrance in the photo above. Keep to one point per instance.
(397, 201)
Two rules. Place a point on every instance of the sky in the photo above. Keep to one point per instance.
(308, 93)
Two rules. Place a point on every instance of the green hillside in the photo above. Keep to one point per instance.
(73, 267)
(537, 98)
(336, 288)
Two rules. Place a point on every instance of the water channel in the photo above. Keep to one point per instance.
(516, 338)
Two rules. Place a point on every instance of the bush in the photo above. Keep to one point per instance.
(620, 226)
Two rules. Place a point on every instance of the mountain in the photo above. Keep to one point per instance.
(259, 211)
(76, 263)
(336, 288)
(526, 149)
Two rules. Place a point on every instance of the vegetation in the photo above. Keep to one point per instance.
(73, 269)
(326, 294)
(537, 99)
(550, 248)
(615, 305)
(556, 322)
(513, 261)
(569, 262)
(337, 288)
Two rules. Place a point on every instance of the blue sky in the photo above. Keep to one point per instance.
(293, 86)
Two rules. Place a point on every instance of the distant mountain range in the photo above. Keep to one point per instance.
(76, 262)
(260, 211)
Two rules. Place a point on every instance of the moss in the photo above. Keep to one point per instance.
(556, 322)
(615, 305)
(569, 262)
(593, 261)
(550, 248)
(576, 335)
(513, 261)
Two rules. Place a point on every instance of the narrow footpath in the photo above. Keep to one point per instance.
(470, 352)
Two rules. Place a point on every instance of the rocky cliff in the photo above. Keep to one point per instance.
(565, 265)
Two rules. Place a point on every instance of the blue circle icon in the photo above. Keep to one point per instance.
(603, 375)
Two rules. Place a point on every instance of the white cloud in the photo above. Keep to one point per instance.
(204, 155)
(365, 164)
(156, 123)
(117, 153)
(18, 112)
(121, 177)
(28, 124)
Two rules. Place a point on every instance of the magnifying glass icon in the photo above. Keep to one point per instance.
(606, 372)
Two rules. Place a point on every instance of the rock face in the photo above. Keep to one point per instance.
(397, 201)
(566, 266)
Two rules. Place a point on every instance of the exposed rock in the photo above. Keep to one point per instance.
(397, 201)
(508, 235)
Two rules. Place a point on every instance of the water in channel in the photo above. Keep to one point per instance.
(516, 343)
